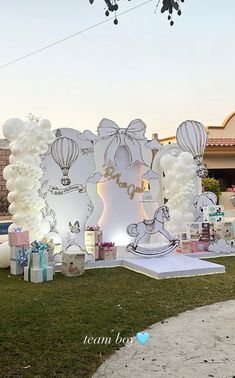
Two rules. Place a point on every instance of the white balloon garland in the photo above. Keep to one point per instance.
(180, 188)
(28, 141)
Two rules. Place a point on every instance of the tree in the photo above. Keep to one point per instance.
(169, 6)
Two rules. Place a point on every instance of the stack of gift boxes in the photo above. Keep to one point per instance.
(30, 260)
(199, 235)
(38, 269)
(95, 245)
(93, 239)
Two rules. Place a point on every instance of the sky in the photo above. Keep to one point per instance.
(142, 68)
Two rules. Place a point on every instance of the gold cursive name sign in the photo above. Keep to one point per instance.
(131, 188)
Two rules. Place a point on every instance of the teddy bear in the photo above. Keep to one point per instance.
(204, 199)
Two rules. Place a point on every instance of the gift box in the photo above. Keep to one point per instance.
(186, 246)
(19, 259)
(18, 238)
(212, 232)
(183, 236)
(73, 263)
(218, 231)
(213, 214)
(93, 250)
(38, 275)
(200, 246)
(93, 236)
(205, 232)
(227, 230)
(193, 230)
(108, 251)
(38, 269)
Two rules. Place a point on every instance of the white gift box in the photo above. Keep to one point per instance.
(36, 274)
(73, 264)
(93, 238)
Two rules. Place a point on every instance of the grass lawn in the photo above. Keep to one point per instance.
(43, 326)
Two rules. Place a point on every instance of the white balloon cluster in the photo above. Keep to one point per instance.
(180, 189)
(27, 142)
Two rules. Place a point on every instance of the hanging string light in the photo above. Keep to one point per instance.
(169, 6)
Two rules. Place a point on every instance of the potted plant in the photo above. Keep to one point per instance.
(210, 184)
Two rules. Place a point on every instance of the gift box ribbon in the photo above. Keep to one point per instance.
(22, 259)
(17, 229)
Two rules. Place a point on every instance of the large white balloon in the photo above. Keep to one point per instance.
(7, 171)
(10, 185)
(12, 127)
(45, 124)
(4, 255)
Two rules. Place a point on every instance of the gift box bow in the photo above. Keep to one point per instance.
(107, 245)
(92, 228)
(17, 229)
(22, 259)
(38, 247)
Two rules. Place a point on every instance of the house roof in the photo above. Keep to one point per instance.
(220, 142)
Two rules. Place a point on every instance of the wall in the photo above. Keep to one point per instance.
(219, 162)
(226, 130)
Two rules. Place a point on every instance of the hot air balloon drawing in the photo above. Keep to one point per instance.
(191, 137)
(64, 151)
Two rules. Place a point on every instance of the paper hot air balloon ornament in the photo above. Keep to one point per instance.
(191, 137)
(64, 151)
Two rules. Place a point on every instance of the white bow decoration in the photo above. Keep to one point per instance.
(129, 137)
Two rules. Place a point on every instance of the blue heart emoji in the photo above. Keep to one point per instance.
(142, 337)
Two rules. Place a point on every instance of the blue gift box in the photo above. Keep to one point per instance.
(19, 259)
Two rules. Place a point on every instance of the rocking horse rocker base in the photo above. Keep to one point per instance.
(153, 251)
(139, 231)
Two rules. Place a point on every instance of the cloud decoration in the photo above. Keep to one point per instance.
(87, 135)
(97, 178)
(222, 246)
(151, 175)
(153, 145)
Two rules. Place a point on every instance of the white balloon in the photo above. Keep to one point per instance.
(167, 161)
(7, 171)
(12, 127)
(12, 159)
(18, 218)
(10, 185)
(4, 255)
(189, 217)
(24, 183)
(13, 209)
(45, 124)
(12, 196)
(14, 172)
